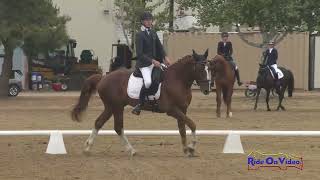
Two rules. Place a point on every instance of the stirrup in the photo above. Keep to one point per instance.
(137, 109)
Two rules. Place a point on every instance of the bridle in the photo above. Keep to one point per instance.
(208, 80)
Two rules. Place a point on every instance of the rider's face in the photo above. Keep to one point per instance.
(270, 46)
(147, 23)
(225, 38)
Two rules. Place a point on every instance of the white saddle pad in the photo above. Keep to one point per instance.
(134, 87)
(279, 72)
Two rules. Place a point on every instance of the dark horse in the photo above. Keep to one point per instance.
(223, 75)
(266, 81)
(174, 99)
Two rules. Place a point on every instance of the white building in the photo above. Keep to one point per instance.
(92, 25)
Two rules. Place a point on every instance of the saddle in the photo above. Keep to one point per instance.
(156, 77)
(135, 84)
(230, 61)
(278, 75)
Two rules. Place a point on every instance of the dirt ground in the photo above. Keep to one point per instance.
(158, 157)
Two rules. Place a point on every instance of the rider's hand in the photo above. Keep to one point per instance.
(167, 61)
(156, 63)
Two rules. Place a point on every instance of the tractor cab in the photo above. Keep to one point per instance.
(121, 56)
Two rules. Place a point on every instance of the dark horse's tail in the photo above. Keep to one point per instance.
(290, 83)
(88, 88)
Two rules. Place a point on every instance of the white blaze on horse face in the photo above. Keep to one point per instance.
(208, 73)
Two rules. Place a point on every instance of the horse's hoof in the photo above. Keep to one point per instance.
(283, 108)
(87, 146)
(189, 151)
(86, 152)
(229, 115)
(218, 115)
(269, 109)
(132, 153)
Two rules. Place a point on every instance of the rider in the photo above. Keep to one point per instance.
(271, 57)
(225, 49)
(150, 53)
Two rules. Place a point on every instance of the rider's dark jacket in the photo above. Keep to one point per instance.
(148, 47)
(225, 50)
(271, 58)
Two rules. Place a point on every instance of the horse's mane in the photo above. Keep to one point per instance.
(185, 59)
(221, 59)
(218, 59)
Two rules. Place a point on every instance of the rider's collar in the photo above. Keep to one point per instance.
(143, 28)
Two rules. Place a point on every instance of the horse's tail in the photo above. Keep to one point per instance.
(224, 94)
(88, 88)
(290, 83)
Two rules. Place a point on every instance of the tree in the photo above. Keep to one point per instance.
(274, 18)
(22, 23)
(128, 13)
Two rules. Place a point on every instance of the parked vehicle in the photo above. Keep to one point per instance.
(251, 89)
(15, 85)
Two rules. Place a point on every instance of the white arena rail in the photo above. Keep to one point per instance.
(232, 144)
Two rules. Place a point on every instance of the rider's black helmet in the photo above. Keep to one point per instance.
(271, 42)
(224, 34)
(146, 16)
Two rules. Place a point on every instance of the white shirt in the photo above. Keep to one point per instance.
(270, 49)
(145, 29)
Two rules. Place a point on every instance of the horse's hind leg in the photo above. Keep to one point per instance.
(218, 99)
(281, 96)
(267, 99)
(101, 120)
(118, 127)
(229, 99)
(257, 98)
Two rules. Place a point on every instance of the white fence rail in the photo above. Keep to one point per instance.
(232, 144)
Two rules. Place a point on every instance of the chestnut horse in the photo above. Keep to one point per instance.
(223, 75)
(174, 99)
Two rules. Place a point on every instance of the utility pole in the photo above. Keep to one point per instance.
(171, 15)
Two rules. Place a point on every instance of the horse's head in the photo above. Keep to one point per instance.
(262, 69)
(202, 74)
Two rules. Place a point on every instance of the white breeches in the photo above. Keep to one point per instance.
(146, 74)
(278, 71)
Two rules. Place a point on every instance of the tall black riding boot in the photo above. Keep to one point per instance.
(137, 109)
(238, 77)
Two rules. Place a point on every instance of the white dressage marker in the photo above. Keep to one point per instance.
(56, 144)
(233, 144)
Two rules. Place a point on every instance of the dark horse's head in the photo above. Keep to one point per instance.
(202, 74)
(263, 73)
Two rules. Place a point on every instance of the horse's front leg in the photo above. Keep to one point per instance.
(182, 120)
(257, 98)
